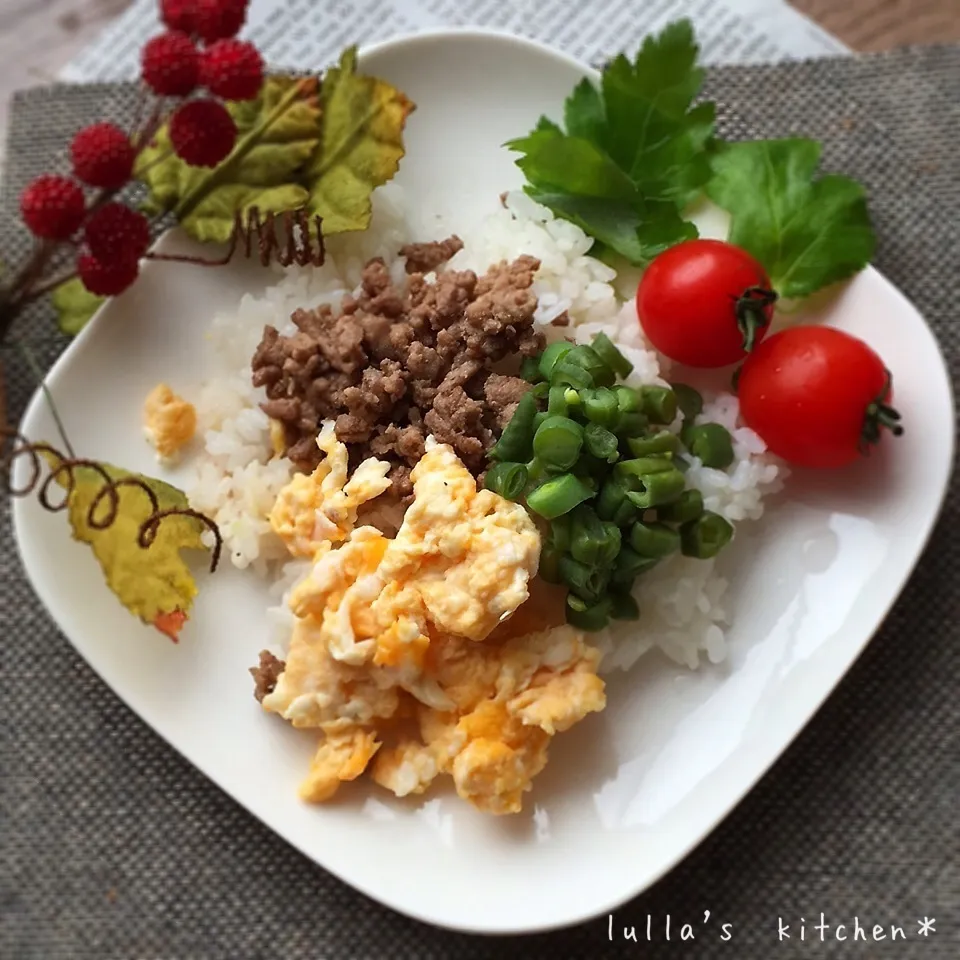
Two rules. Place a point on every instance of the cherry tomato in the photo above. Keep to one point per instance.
(818, 397)
(705, 303)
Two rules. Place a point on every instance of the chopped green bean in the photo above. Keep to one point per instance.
(516, 441)
(629, 565)
(589, 617)
(601, 443)
(659, 404)
(706, 536)
(642, 467)
(613, 505)
(558, 535)
(586, 581)
(540, 390)
(623, 606)
(651, 481)
(552, 354)
(557, 401)
(557, 442)
(592, 540)
(571, 375)
(688, 400)
(591, 469)
(558, 496)
(549, 568)
(590, 482)
(604, 348)
(530, 370)
(654, 539)
(711, 443)
(628, 400)
(688, 506)
(536, 471)
(632, 425)
(509, 480)
(600, 406)
(662, 444)
(588, 358)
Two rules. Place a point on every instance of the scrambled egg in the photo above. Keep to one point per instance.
(508, 701)
(402, 652)
(169, 421)
(471, 553)
(315, 510)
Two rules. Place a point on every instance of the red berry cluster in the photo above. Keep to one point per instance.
(198, 50)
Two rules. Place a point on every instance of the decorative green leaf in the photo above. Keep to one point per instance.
(277, 134)
(807, 231)
(75, 305)
(360, 147)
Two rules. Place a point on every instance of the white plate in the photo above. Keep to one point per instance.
(628, 792)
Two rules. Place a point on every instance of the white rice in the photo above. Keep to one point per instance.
(236, 480)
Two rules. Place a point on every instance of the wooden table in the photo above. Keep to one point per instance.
(881, 24)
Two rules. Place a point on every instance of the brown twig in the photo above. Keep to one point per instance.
(295, 243)
(48, 286)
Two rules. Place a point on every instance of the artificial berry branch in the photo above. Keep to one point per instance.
(196, 63)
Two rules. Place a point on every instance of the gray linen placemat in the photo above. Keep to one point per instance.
(112, 846)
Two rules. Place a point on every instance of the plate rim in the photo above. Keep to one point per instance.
(723, 811)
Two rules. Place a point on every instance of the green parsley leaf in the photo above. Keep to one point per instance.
(583, 114)
(807, 231)
(646, 101)
(632, 154)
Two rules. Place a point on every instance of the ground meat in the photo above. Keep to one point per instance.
(426, 257)
(402, 484)
(502, 395)
(406, 442)
(266, 674)
(401, 362)
(284, 409)
(458, 419)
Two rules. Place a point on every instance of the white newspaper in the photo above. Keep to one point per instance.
(309, 34)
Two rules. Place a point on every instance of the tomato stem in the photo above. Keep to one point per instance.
(751, 312)
(879, 416)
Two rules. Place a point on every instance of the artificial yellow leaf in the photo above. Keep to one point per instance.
(153, 582)
(277, 133)
(212, 219)
(75, 305)
(360, 148)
